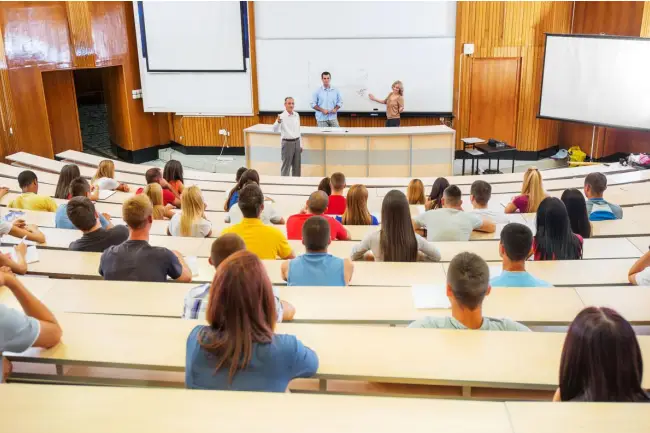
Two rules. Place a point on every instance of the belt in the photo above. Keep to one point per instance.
(291, 139)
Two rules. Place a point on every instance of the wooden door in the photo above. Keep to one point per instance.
(62, 112)
(494, 93)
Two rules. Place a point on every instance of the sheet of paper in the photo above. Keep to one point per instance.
(8, 239)
(105, 193)
(30, 257)
(427, 296)
(13, 215)
(193, 263)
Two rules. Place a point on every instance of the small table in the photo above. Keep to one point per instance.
(470, 149)
(491, 151)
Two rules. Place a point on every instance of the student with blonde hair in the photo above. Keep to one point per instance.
(532, 193)
(356, 208)
(104, 179)
(394, 104)
(191, 220)
(415, 192)
(155, 193)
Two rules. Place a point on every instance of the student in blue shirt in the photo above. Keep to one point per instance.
(515, 247)
(326, 101)
(239, 349)
(79, 187)
(317, 267)
(597, 207)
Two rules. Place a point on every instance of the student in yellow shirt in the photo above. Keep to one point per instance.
(266, 242)
(30, 199)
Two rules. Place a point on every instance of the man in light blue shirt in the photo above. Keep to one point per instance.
(326, 101)
(515, 247)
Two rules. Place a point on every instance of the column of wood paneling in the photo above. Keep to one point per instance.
(7, 120)
(81, 35)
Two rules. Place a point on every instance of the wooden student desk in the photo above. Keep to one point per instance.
(510, 360)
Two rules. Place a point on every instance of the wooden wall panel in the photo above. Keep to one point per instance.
(7, 117)
(62, 113)
(81, 34)
(509, 29)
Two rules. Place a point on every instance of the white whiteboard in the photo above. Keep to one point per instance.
(428, 78)
(194, 93)
(193, 36)
(599, 80)
(364, 45)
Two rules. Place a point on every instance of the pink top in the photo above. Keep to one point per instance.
(521, 203)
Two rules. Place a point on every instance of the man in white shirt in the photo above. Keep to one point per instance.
(288, 124)
(479, 196)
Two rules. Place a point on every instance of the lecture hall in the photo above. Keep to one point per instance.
(351, 216)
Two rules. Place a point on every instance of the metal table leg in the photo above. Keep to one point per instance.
(514, 153)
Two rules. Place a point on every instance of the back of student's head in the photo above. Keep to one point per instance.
(137, 211)
(597, 182)
(338, 181)
(240, 312)
(81, 212)
(396, 238)
(415, 192)
(576, 207)
(356, 207)
(325, 186)
(251, 201)
(240, 171)
(106, 168)
(601, 359)
(153, 175)
(452, 196)
(26, 178)
(481, 191)
(68, 173)
(245, 178)
(224, 246)
(554, 239)
(316, 234)
(317, 202)
(173, 171)
(79, 187)
(517, 240)
(468, 276)
(154, 192)
(532, 188)
(192, 207)
(437, 190)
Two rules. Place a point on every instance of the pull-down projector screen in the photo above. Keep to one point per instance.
(599, 80)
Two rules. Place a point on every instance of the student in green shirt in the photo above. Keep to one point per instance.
(468, 283)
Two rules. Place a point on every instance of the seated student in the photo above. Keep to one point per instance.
(467, 286)
(532, 193)
(135, 259)
(68, 173)
(316, 205)
(173, 174)
(35, 326)
(30, 199)
(325, 186)
(196, 300)
(356, 208)
(104, 179)
(155, 193)
(639, 273)
(576, 207)
(336, 205)
(265, 241)
(81, 212)
(598, 208)
(269, 214)
(554, 239)
(238, 349)
(434, 201)
(233, 195)
(18, 228)
(415, 192)
(154, 175)
(450, 223)
(191, 220)
(601, 360)
(515, 246)
(79, 187)
(395, 241)
(316, 267)
(479, 195)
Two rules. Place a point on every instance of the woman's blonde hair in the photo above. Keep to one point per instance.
(192, 209)
(532, 188)
(415, 192)
(401, 87)
(154, 192)
(356, 210)
(106, 168)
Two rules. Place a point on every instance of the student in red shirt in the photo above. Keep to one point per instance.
(153, 175)
(337, 202)
(316, 205)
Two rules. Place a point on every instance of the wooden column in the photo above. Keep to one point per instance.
(81, 34)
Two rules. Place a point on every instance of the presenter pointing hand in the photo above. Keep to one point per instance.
(394, 104)
(288, 124)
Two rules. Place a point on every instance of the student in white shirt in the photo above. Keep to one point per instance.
(639, 273)
(191, 220)
(479, 195)
(288, 124)
(104, 179)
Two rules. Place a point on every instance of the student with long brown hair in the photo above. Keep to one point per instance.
(173, 174)
(239, 349)
(532, 193)
(69, 172)
(415, 192)
(104, 179)
(395, 241)
(434, 201)
(233, 196)
(601, 360)
(356, 208)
